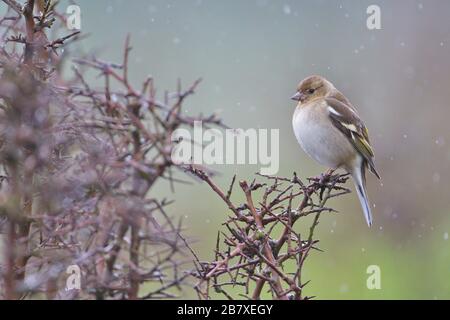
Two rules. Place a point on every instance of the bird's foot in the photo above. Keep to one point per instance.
(324, 179)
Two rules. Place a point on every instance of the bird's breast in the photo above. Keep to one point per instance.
(319, 138)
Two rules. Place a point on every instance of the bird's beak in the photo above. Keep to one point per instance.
(298, 96)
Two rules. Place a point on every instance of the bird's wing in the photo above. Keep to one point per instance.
(335, 94)
(348, 122)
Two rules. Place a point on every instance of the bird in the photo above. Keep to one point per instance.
(329, 129)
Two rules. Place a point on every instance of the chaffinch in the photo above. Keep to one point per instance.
(330, 131)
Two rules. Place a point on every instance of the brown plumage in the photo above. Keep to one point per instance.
(330, 130)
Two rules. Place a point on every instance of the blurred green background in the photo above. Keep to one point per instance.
(251, 55)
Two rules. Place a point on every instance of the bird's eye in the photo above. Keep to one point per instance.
(311, 91)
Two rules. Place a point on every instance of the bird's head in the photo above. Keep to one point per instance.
(311, 88)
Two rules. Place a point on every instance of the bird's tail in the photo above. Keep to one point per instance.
(359, 177)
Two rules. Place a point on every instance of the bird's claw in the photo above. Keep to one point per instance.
(323, 180)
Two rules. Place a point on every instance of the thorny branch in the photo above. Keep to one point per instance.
(78, 162)
(255, 250)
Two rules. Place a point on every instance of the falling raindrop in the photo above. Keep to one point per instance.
(440, 141)
(287, 9)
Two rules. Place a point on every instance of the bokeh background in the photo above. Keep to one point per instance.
(251, 55)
